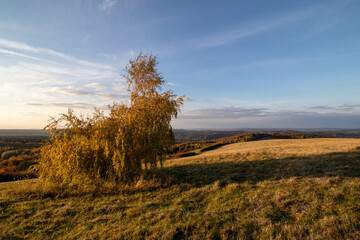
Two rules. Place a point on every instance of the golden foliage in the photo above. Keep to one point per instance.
(134, 137)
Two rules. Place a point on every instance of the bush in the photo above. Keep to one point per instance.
(8, 154)
(120, 147)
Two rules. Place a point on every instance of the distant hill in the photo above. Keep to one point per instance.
(204, 135)
(182, 135)
(23, 132)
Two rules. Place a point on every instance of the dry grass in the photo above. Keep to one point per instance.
(275, 189)
(277, 148)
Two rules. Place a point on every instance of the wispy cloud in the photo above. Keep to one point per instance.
(225, 112)
(120, 87)
(63, 105)
(322, 107)
(221, 38)
(281, 63)
(79, 92)
(110, 56)
(96, 86)
(72, 91)
(27, 48)
(45, 80)
(113, 96)
(251, 28)
(188, 99)
(17, 54)
(107, 5)
(341, 108)
(322, 116)
(266, 112)
(349, 107)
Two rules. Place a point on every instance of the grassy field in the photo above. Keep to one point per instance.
(270, 189)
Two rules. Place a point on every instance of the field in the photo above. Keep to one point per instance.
(268, 189)
(18, 154)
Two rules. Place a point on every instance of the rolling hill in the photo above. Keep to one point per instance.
(267, 189)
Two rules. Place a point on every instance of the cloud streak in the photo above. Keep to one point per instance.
(256, 27)
(226, 112)
(222, 38)
(343, 116)
(96, 86)
(5, 43)
(63, 105)
(79, 92)
(107, 5)
(266, 112)
(9, 52)
(45, 82)
(72, 91)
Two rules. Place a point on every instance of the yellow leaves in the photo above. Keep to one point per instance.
(115, 146)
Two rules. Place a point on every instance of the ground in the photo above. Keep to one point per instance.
(269, 189)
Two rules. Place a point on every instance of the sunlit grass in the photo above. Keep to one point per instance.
(279, 148)
(275, 189)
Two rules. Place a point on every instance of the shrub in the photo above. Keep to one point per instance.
(120, 147)
(8, 154)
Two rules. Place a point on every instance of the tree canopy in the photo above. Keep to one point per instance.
(121, 146)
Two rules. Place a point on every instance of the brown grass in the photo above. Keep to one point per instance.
(278, 148)
(274, 189)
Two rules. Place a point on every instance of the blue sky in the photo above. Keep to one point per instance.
(241, 64)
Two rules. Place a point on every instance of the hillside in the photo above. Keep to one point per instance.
(182, 135)
(268, 189)
(281, 147)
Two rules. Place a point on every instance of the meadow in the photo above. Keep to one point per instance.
(267, 189)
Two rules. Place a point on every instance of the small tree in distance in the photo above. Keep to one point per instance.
(134, 137)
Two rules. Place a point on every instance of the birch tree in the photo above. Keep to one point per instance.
(131, 140)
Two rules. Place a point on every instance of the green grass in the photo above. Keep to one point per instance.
(253, 195)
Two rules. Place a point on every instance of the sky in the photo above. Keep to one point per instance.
(240, 64)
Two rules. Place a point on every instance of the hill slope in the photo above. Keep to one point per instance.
(269, 189)
(284, 147)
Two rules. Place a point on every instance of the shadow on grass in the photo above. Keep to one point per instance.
(343, 164)
(14, 176)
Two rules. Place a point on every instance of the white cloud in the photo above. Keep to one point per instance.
(120, 87)
(110, 56)
(267, 112)
(27, 48)
(224, 37)
(33, 77)
(9, 52)
(79, 92)
(130, 54)
(71, 91)
(321, 116)
(187, 99)
(107, 5)
(62, 105)
(113, 96)
(255, 27)
(96, 86)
